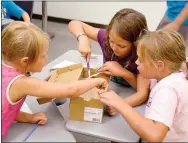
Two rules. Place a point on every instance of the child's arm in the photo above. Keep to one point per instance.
(17, 11)
(39, 88)
(148, 130)
(113, 68)
(136, 99)
(130, 77)
(180, 19)
(159, 119)
(78, 27)
(142, 92)
(39, 118)
(26, 17)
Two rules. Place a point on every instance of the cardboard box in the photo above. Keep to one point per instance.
(86, 107)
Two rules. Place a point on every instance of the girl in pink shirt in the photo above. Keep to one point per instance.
(24, 49)
(160, 56)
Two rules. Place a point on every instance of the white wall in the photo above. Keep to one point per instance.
(102, 12)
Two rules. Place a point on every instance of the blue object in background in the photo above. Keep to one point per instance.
(9, 8)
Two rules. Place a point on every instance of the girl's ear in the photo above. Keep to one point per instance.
(24, 61)
(160, 65)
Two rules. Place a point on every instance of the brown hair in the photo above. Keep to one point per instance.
(128, 24)
(166, 45)
(20, 39)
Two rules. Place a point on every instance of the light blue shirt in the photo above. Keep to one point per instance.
(174, 8)
(9, 8)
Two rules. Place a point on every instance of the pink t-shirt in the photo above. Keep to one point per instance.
(9, 109)
(168, 104)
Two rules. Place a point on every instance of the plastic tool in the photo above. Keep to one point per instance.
(88, 67)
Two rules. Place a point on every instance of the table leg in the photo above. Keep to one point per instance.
(44, 19)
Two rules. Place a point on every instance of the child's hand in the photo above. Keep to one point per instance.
(112, 68)
(101, 83)
(84, 47)
(39, 118)
(111, 111)
(26, 17)
(111, 99)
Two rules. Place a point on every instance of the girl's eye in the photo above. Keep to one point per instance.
(122, 46)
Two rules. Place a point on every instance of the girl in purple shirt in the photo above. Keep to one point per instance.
(118, 43)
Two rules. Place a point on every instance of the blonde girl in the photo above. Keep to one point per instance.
(24, 49)
(160, 56)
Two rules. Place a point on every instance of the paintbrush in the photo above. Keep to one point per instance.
(88, 67)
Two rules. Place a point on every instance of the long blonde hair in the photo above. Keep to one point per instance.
(166, 45)
(20, 39)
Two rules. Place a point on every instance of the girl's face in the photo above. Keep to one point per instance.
(119, 46)
(145, 69)
(41, 61)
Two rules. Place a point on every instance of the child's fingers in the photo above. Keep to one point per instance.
(104, 100)
(84, 54)
(42, 121)
(109, 108)
(43, 115)
(103, 69)
(101, 91)
(103, 86)
(103, 95)
(111, 111)
(98, 69)
(107, 72)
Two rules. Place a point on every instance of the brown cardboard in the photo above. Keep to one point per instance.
(78, 106)
(63, 75)
(86, 107)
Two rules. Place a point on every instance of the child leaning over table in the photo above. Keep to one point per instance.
(24, 49)
(162, 53)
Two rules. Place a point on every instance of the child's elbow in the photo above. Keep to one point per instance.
(154, 138)
(143, 96)
(73, 23)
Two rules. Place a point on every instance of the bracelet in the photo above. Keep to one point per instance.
(80, 35)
